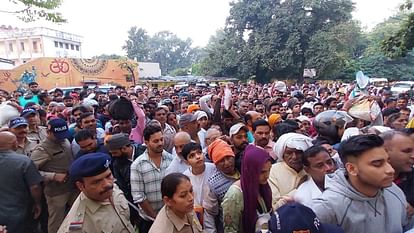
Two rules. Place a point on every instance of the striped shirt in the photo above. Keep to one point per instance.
(146, 179)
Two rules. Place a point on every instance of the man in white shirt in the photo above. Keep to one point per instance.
(317, 163)
(178, 164)
(286, 175)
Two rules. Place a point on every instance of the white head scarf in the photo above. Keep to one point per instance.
(291, 140)
(352, 131)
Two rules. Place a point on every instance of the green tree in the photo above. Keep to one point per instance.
(179, 72)
(332, 52)
(375, 63)
(402, 41)
(137, 45)
(379, 65)
(170, 51)
(197, 54)
(268, 39)
(130, 66)
(164, 47)
(32, 10)
(221, 58)
(111, 56)
(196, 69)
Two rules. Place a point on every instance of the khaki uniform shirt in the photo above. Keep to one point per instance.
(27, 148)
(168, 222)
(50, 156)
(37, 135)
(90, 216)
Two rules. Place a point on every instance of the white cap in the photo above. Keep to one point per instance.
(90, 102)
(308, 105)
(303, 118)
(200, 114)
(137, 87)
(280, 86)
(236, 128)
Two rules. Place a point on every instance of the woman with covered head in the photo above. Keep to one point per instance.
(251, 196)
(287, 174)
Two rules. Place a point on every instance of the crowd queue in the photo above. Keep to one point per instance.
(246, 157)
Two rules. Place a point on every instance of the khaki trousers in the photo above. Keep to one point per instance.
(56, 206)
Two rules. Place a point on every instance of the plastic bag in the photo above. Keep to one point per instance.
(227, 98)
(7, 112)
(365, 109)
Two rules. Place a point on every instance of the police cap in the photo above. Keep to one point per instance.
(89, 165)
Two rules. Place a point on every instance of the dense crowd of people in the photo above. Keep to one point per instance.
(318, 157)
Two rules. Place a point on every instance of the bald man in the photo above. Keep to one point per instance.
(179, 164)
(18, 207)
(8, 141)
(211, 135)
(249, 119)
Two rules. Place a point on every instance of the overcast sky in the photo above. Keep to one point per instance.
(104, 24)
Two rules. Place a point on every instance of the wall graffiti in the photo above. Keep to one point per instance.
(28, 77)
(89, 66)
(5, 77)
(59, 66)
(45, 75)
(62, 72)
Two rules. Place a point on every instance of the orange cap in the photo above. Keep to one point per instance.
(193, 107)
(273, 119)
(218, 150)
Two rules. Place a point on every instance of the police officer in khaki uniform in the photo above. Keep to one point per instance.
(36, 132)
(53, 158)
(101, 206)
(19, 126)
(177, 215)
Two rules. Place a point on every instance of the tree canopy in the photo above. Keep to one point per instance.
(273, 39)
(376, 63)
(163, 47)
(111, 56)
(31, 10)
(269, 39)
(402, 41)
(279, 39)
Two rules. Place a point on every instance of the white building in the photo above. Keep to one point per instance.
(6, 64)
(149, 70)
(24, 44)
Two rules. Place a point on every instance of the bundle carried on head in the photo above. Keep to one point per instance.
(7, 112)
(121, 109)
